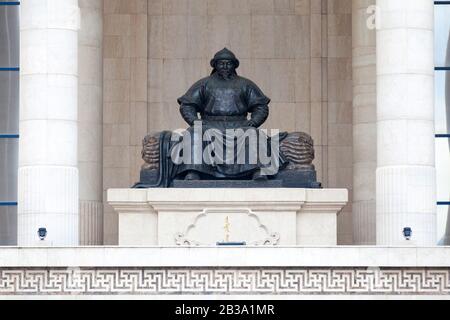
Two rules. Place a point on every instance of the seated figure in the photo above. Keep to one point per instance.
(219, 103)
(223, 142)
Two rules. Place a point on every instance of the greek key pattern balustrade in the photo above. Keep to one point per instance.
(224, 281)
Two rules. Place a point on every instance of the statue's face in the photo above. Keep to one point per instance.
(225, 68)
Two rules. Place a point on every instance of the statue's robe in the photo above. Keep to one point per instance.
(220, 105)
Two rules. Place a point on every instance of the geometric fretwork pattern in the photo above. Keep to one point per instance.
(224, 281)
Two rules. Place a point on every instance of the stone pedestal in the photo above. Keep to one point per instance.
(197, 217)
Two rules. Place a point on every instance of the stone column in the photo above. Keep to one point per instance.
(48, 173)
(406, 177)
(364, 123)
(90, 121)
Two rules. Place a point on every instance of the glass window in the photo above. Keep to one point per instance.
(442, 116)
(9, 35)
(9, 119)
(442, 35)
(8, 217)
(442, 103)
(443, 169)
(443, 225)
(9, 102)
(8, 169)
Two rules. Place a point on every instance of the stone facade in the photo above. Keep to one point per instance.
(97, 75)
(125, 55)
(133, 58)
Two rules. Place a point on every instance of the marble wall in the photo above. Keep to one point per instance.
(125, 98)
(337, 97)
(298, 51)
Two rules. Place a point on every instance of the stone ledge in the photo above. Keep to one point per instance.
(278, 195)
(193, 257)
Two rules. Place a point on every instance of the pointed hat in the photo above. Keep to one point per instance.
(225, 54)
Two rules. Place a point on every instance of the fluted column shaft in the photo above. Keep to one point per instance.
(48, 173)
(90, 124)
(406, 178)
(364, 123)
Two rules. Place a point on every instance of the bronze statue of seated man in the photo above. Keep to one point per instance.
(223, 142)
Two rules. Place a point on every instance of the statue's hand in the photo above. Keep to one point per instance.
(189, 113)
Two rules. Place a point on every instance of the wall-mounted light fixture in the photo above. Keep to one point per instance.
(42, 233)
(407, 233)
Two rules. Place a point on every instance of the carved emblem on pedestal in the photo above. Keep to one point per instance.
(256, 234)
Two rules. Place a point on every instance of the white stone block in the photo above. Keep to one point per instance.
(405, 51)
(48, 96)
(139, 228)
(48, 142)
(405, 142)
(405, 96)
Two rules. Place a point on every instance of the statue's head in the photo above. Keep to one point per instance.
(224, 63)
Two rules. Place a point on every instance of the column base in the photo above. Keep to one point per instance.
(364, 223)
(91, 223)
(48, 198)
(406, 197)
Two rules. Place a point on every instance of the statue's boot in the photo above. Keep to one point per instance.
(257, 176)
(192, 175)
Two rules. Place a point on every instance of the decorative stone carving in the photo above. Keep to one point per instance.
(272, 240)
(181, 240)
(210, 217)
(141, 281)
(150, 152)
(298, 149)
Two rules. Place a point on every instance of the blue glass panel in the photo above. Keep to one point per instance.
(8, 226)
(442, 35)
(9, 151)
(9, 36)
(442, 101)
(9, 102)
(443, 169)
